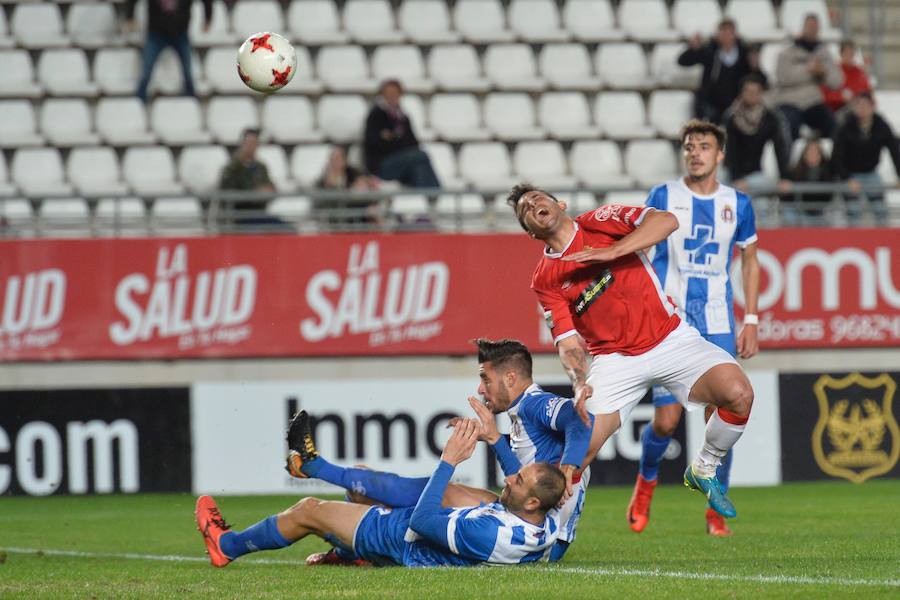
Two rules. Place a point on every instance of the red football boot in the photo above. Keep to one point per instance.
(715, 524)
(639, 508)
(332, 558)
(212, 525)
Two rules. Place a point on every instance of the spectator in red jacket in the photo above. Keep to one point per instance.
(856, 80)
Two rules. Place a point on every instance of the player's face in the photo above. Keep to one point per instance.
(540, 213)
(702, 155)
(493, 388)
(517, 490)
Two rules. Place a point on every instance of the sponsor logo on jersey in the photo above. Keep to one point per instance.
(728, 214)
(610, 211)
(593, 291)
(856, 436)
(551, 405)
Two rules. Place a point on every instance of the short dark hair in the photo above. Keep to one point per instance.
(505, 353)
(727, 22)
(700, 126)
(515, 194)
(549, 485)
(847, 44)
(388, 82)
(751, 78)
(866, 95)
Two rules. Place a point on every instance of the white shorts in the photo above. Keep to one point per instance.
(571, 510)
(676, 363)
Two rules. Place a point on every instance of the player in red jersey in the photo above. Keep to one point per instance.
(601, 298)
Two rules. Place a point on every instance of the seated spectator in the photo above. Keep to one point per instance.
(724, 60)
(392, 150)
(245, 173)
(858, 142)
(750, 125)
(754, 56)
(802, 68)
(856, 80)
(340, 175)
(813, 166)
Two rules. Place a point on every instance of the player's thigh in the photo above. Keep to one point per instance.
(604, 426)
(458, 496)
(326, 517)
(619, 382)
(724, 385)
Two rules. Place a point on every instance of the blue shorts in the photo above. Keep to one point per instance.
(725, 341)
(379, 535)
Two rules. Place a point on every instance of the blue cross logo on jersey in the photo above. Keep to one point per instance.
(699, 247)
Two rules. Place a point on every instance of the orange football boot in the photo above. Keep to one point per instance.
(715, 524)
(639, 507)
(332, 558)
(211, 525)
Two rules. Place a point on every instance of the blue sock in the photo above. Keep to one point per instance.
(386, 488)
(652, 449)
(262, 536)
(723, 472)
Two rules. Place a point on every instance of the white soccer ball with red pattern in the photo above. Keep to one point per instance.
(266, 62)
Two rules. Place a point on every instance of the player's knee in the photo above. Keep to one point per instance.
(664, 426)
(299, 513)
(740, 397)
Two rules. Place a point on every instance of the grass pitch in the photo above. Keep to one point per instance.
(816, 540)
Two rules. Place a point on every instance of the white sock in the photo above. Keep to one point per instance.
(720, 437)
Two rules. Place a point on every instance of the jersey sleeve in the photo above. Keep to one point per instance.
(745, 234)
(557, 314)
(614, 220)
(509, 462)
(558, 414)
(473, 538)
(658, 198)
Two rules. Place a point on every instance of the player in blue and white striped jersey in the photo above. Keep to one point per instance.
(693, 266)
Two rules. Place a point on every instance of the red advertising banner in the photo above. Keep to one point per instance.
(356, 295)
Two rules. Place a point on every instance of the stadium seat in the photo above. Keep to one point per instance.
(622, 66)
(308, 163)
(177, 217)
(39, 172)
(178, 121)
(462, 212)
(768, 60)
(289, 120)
(414, 107)
(413, 209)
(481, 21)
(444, 162)
(344, 69)
(6, 40)
(18, 75)
(93, 25)
(116, 70)
(794, 11)
(426, 22)
(486, 165)
(543, 163)
(885, 168)
(371, 22)
(18, 124)
(221, 71)
(65, 72)
(16, 218)
(696, 16)
(669, 110)
(275, 159)
(567, 67)
(123, 122)
(512, 67)
(95, 172)
(755, 19)
(7, 188)
(65, 217)
(566, 116)
(200, 167)
(316, 22)
(228, 117)
(219, 32)
(402, 62)
(536, 21)
(150, 171)
(457, 118)
(167, 78)
(68, 122)
(591, 21)
(578, 203)
(38, 26)
(456, 68)
(296, 210)
(646, 21)
(667, 72)
(888, 105)
(626, 197)
(342, 117)
(621, 115)
(510, 117)
(598, 164)
(120, 217)
(252, 16)
(651, 162)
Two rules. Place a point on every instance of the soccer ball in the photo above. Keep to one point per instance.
(266, 62)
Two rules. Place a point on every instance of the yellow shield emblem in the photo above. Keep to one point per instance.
(856, 436)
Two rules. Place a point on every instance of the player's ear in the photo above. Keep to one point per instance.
(562, 204)
(532, 504)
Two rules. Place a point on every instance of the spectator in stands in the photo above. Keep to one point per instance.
(245, 173)
(856, 80)
(167, 25)
(858, 142)
(750, 125)
(802, 68)
(813, 166)
(392, 150)
(754, 55)
(725, 64)
(340, 175)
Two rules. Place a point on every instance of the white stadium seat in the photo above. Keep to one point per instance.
(177, 217)
(6, 40)
(7, 188)
(342, 117)
(621, 115)
(39, 172)
(38, 26)
(486, 165)
(219, 32)
(220, 66)
(65, 72)
(626, 197)
(304, 82)
(345, 69)
(308, 163)
(18, 75)
(481, 21)
(121, 216)
(167, 78)
(512, 67)
(444, 162)
(95, 172)
(669, 110)
(578, 203)
(150, 171)
(295, 209)
(567, 67)
(622, 66)
(116, 70)
(462, 212)
(68, 122)
(179, 121)
(18, 124)
(646, 21)
(591, 21)
(543, 163)
(289, 120)
(371, 22)
(414, 107)
(793, 12)
(886, 168)
(511, 117)
(566, 116)
(768, 60)
(755, 19)
(599, 164)
(411, 208)
(667, 72)
(123, 122)
(888, 102)
(255, 16)
(200, 167)
(403, 62)
(316, 22)
(228, 117)
(273, 156)
(457, 117)
(17, 218)
(426, 22)
(65, 217)
(536, 21)
(696, 16)
(651, 162)
(456, 68)
(93, 25)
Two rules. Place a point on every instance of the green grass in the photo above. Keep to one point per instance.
(816, 540)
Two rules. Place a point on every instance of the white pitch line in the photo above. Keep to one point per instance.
(600, 571)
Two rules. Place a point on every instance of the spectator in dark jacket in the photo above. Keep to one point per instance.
(392, 150)
(725, 64)
(167, 25)
(813, 166)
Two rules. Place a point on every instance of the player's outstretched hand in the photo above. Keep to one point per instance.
(462, 442)
(581, 397)
(593, 255)
(748, 341)
(488, 430)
